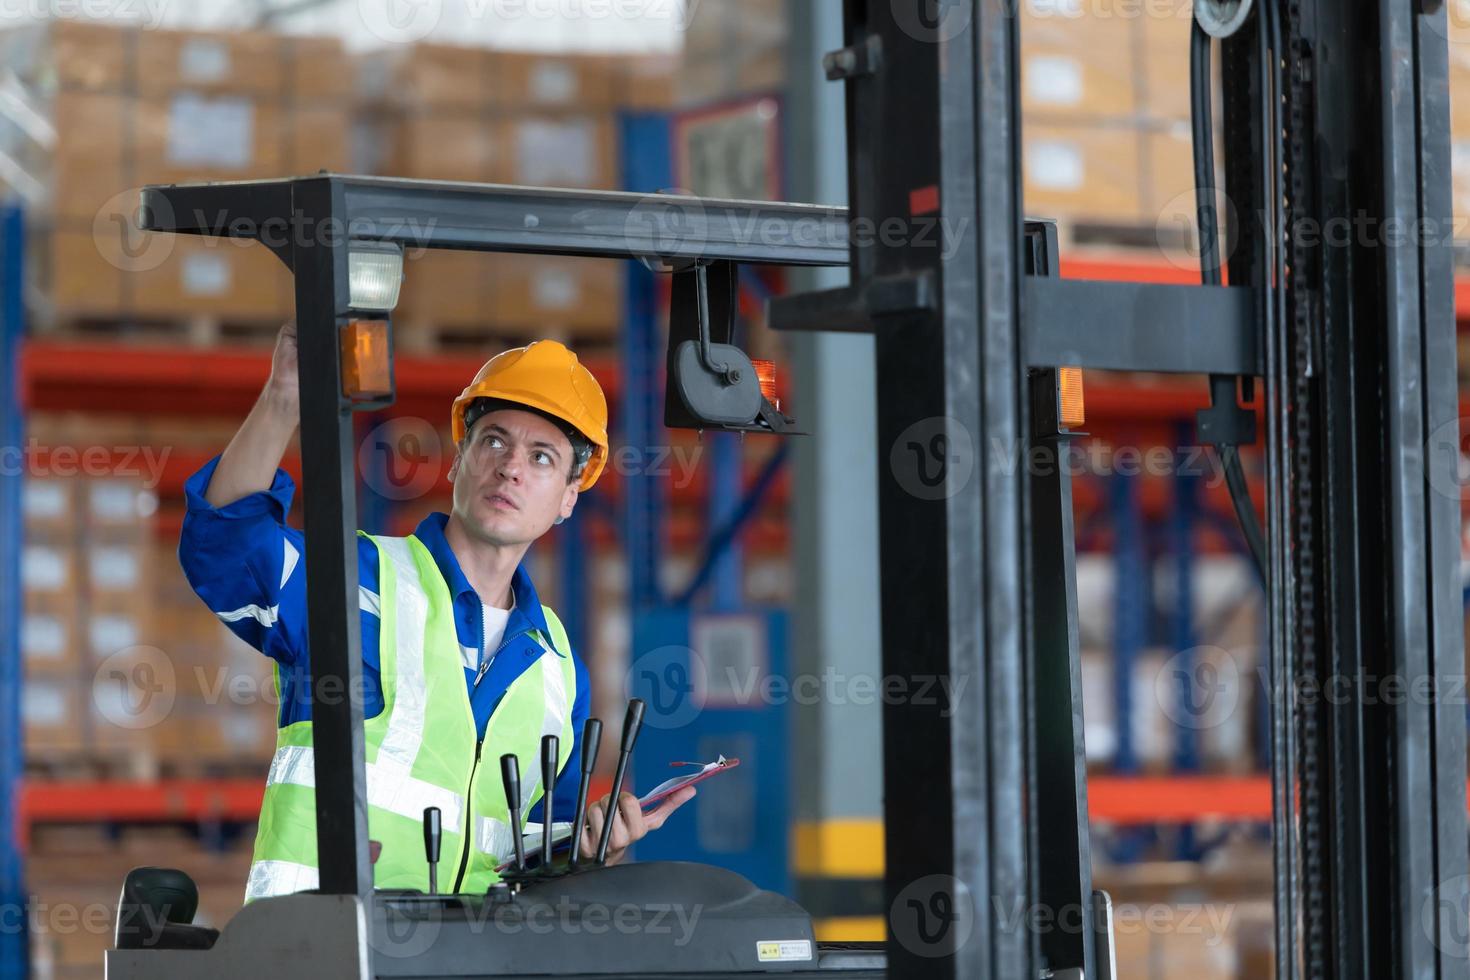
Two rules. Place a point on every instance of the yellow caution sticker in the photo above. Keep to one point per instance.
(775, 951)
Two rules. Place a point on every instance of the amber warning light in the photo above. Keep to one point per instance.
(1069, 383)
(765, 372)
(367, 361)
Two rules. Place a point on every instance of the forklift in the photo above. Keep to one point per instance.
(1332, 113)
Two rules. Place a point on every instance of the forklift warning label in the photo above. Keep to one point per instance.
(791, 949)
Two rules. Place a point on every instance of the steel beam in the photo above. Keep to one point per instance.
(497, 218)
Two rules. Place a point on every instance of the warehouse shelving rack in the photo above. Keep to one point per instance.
(68, 376)
(56, 375)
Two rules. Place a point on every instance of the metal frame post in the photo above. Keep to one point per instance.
(933, 136)
(1060, 842)
(328, 461)
(14, 941)
(647, 165)
(1364, 591)
(1182, 520)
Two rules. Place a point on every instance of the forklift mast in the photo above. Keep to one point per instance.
(1339, 307)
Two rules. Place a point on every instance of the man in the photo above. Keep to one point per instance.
(461, 662)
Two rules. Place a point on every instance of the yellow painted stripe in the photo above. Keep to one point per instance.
(838, 848)
(867, 929)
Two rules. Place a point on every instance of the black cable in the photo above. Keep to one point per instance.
(1222, 386)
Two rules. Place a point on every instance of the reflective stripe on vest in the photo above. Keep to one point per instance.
(420, 750)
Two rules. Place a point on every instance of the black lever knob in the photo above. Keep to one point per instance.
(591, 737)
(550, 752)
(510, 775)
(632, 722)
(433, 841)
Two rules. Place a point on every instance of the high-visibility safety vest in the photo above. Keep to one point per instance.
(422, 750)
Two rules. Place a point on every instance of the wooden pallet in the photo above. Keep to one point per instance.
(417, 336)
(141, 765)
(197, 332)
(86, 766)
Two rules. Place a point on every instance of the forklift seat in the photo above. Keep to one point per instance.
(156, 911)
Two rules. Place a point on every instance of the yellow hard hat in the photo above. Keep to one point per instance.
(547, 377)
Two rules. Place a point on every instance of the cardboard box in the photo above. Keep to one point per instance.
(236, 62)
(1077, 62)
(210, 276)
(716, 76)
(90, 56)
(447, 288)
(238, 734)
(650, 83)
(47, 569)
(88, 162)
(116, 624)
(83, 280)
(560, 151)
(1459, 14)
(1169, 200)
(727, 25)
(318, 138)
(318, 70)
(64, 53)
(732, 48)
(1460, 97)
(52, 711)
(1082, 172)
(1166, 63)
(118, 504)
(448, 147)
(49, 505)
(189, 135)
(527, 82)
(435, 77)
(48, 636)
(582, 297)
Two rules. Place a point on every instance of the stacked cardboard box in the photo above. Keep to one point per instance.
(224, 714)
(52, 697)
(1458, 24)
(731, 49)
(118, 108)
(87, 594)
(126, 669)
(468, 114)
(1105, 93)
(127, 665)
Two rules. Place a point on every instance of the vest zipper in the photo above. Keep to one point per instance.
(469, 819)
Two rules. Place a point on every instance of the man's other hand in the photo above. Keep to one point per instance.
(630, 823)
(284, 387)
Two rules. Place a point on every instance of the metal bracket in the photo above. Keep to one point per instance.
(854, 61)
(854, 309)
(712, 383)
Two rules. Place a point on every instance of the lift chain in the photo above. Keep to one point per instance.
(1303, 640)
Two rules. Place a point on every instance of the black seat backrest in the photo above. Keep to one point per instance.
(156, 911)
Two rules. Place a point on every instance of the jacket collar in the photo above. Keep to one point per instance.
(527, 614)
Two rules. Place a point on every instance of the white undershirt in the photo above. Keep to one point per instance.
(495, 620)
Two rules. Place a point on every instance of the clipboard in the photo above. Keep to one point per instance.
(561, 832)
(670, 786)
